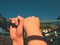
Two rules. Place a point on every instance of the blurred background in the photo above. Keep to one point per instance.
(44, 9)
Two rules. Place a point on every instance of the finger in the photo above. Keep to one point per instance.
(27, 18)
(20, 21)
(16, 21)
(20, 25)
(12, 32)
(12, 20)
(33, 16)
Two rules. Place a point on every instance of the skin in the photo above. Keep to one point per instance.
(16, 34)
(31, 26)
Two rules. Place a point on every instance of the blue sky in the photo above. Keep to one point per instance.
(44, 9)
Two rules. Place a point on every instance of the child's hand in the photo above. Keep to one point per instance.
(16, 32)
(32, 26)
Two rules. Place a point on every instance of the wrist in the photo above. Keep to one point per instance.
(18, 41)
(14, 42)
(34, 32)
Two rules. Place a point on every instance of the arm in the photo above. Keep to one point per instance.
(18, 42)
(16, 33)
(32, 27)
(14, 43)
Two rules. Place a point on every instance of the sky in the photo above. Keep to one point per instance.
(44, 9)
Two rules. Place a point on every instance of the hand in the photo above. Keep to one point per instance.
(16, 32)
(32, 26)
